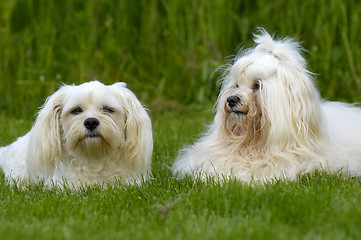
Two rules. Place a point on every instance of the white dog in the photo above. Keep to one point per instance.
(270, 122)
(86, 134)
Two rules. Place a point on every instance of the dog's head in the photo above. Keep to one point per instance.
(268, 96)
(91, 121)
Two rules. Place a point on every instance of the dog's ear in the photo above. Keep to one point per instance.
(44, 149)
(296, 105)
(138, 146)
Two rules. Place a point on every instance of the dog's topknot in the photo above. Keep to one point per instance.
(285, 50)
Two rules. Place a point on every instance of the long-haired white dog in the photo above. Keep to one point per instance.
(271, 123)
(86, 134)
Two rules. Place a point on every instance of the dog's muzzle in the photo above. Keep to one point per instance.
(233, 101)
(91, 123)
(235, 104)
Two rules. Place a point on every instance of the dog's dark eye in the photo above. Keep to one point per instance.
(76, 111)
(256, 85)
(107, 109)
(237, 86)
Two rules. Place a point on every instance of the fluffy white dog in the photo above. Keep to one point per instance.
(86, 134)
(271, 123)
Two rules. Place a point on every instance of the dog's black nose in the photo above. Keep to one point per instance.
(233, 101)
(91, 123)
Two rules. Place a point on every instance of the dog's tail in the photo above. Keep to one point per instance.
(13, 157)
(2, 153)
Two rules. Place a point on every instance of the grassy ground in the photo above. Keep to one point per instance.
(315, 207)
(166, 51)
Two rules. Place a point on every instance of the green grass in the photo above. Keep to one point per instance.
(320, 206)
(166, 51)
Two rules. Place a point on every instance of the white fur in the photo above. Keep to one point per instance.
(59, 146)
(280, 130)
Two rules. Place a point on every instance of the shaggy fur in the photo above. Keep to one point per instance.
(84, 134)
(271, 123)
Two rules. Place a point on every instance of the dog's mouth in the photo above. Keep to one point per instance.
(239, 110)
(92, 135)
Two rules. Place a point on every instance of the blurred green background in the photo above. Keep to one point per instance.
(166, 51)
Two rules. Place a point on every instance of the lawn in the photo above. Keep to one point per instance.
(167, 53)
(315, 207)
(320, 206)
